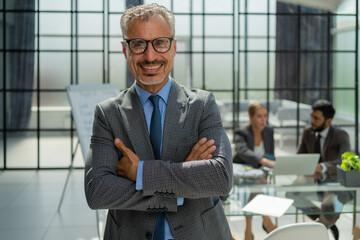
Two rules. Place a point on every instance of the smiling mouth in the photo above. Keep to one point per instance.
(151, 67)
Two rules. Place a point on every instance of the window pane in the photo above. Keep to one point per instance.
(218, 38)
(20, 31)
(90, 68)
(1, 112)
(90, 43)
(19, 113)
(54, 110)
(14, 5)
(218, 74)
(52, 76)
(258, 6)
(90, 5)
(55, 23)
(114, 25)
(55, 142)
(55, 43)
(117, 70)
(343, 33)
(90, 23)
(197, 68)
(182, 69)
(21, 149)
(256, 78)
(182, 26)
(117, 6)
(347, 7)
(182, 6)
(344, 103)
(55, 5)
(215, 6)
(344, 70)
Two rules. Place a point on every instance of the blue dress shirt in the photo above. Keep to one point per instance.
(148, 108)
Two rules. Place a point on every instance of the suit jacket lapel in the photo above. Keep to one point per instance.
(176, 111)
(135, 125)
(328, 139)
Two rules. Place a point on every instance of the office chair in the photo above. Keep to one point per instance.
(299, 231)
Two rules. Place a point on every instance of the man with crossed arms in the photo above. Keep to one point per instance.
(158, 184)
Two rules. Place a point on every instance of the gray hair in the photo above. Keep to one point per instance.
(144, 13)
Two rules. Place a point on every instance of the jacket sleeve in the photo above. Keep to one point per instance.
(243, 154)
(103, 188)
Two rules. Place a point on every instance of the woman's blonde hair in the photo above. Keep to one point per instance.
(254, 107)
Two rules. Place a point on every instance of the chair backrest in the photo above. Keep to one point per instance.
(299, 231)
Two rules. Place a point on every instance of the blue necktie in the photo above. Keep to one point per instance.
(155, 126)
(155, 138)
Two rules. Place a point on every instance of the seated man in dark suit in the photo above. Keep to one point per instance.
(331, 142)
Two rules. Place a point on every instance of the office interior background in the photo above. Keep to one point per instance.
(285, 55)
(282, 54)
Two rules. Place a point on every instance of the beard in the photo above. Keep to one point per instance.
(319, 128)
(151, 82)
(155, 82)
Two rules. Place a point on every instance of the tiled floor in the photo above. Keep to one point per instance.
(29, 209)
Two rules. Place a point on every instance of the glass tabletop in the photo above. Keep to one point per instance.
(311, 196)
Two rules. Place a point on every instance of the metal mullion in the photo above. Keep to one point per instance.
(4, 87)
(298, 74)
(328, 56)
(233, 66)
(246, 50)
(203, 45)
(72, 151)
(76, 44)
(108, 41)
(104, 41)
(268, 59)
(356, 80)
(236, 109)
(38, 88)
(191, 45)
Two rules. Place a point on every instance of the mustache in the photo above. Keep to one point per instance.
(152, 62)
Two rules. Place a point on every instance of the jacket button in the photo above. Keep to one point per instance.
(148, 235)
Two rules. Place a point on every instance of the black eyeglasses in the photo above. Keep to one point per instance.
(139, 45)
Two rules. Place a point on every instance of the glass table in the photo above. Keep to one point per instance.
(311, 197)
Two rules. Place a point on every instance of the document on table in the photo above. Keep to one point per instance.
(268, 205)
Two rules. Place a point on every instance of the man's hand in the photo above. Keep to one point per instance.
(267, 162)
(203, 149)
(318, 168)
(128, 164)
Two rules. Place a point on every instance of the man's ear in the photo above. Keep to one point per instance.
(124, 49)
(175, 41)
(328, 122)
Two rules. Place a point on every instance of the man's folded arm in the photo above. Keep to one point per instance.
(104, 189)
(195, 179)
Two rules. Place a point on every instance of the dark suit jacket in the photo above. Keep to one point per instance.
(336, 143)
(190, 115)
(244, 145)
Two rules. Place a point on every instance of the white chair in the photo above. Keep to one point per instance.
(299, 231)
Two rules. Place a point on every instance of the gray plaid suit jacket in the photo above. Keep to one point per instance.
(190, 115)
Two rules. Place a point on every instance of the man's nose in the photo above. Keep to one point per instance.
(150, 54)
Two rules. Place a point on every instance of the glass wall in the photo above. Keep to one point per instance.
(285, 55)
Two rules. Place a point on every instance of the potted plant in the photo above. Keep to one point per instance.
(348, 173)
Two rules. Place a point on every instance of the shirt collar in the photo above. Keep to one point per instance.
(324, 132)
(163, 93)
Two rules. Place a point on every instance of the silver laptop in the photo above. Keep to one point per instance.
(298, 164)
